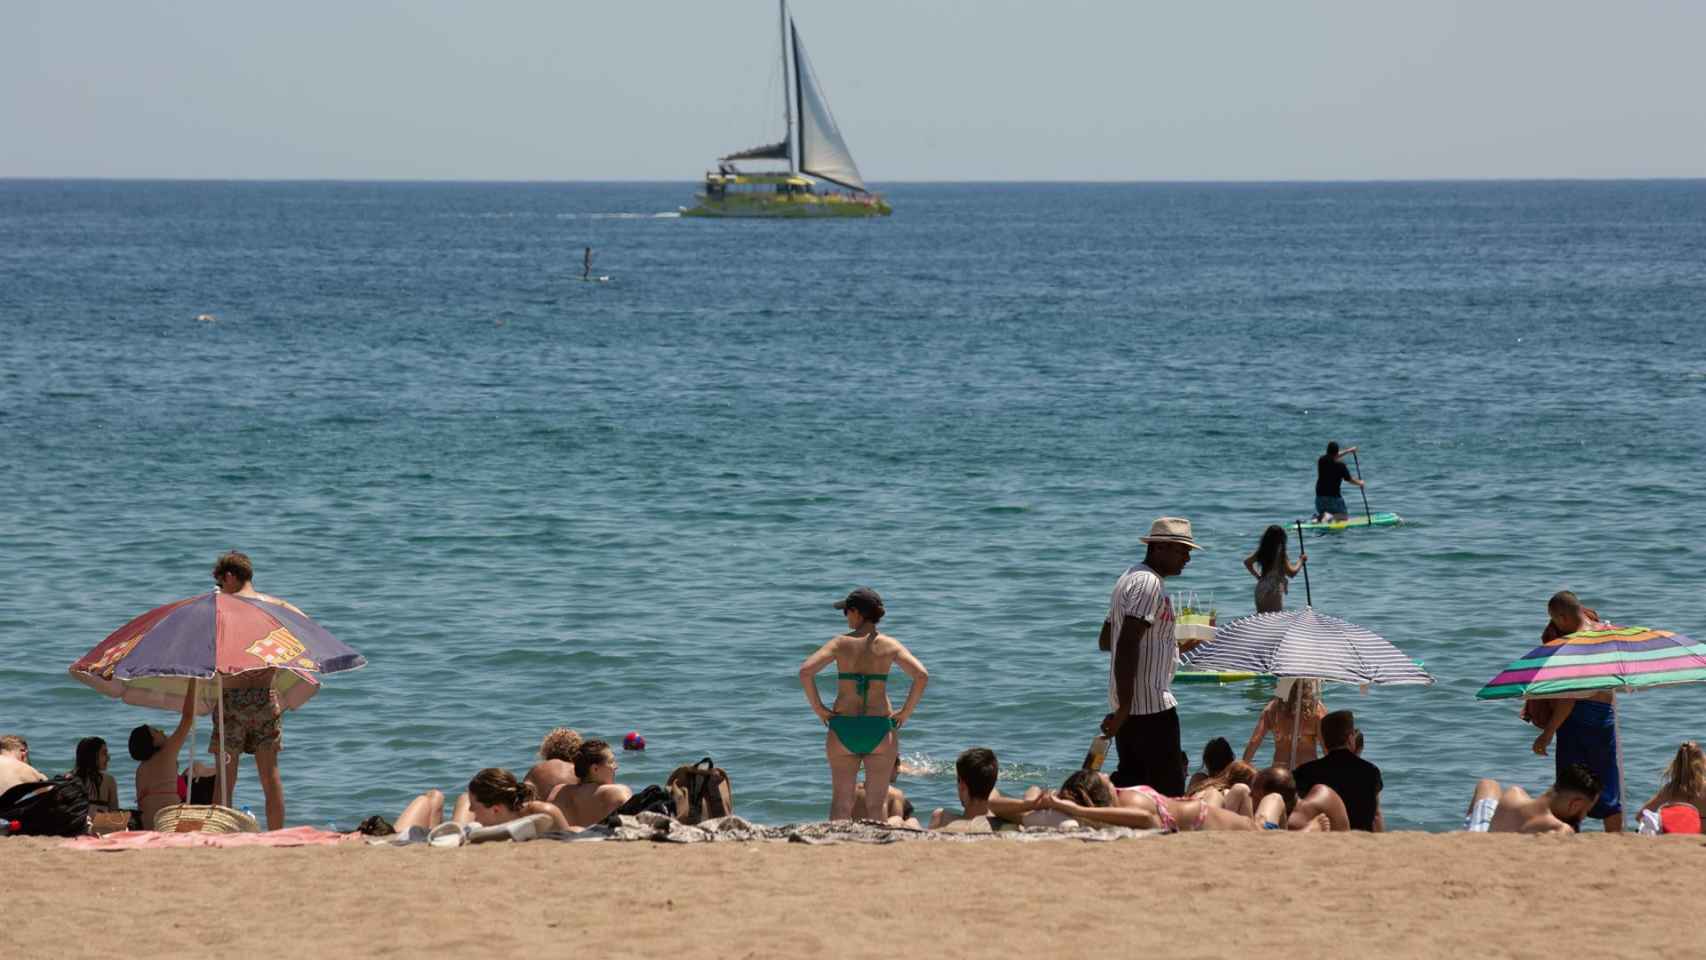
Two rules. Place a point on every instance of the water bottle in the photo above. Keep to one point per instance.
(249, 813)
(1098, 752)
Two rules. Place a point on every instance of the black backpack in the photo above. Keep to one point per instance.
(653, 799)
(47, 808)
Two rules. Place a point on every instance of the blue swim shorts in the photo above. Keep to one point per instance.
(1333, 505)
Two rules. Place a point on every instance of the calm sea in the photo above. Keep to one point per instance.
(532, 501)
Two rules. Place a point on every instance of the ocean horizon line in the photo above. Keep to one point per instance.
(430, 181)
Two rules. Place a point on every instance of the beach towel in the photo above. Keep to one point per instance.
(152, 840)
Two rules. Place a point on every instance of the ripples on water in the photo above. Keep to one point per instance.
(531, 501)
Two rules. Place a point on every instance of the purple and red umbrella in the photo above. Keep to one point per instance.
(151, 660)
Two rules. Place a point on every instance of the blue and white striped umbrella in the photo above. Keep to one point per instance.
(1306, 644)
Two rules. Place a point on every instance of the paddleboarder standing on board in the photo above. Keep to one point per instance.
(1330, 472)
(586, 264)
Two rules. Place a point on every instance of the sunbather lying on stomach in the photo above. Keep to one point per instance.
(494, 796)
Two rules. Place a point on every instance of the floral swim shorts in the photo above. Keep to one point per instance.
(251, 721)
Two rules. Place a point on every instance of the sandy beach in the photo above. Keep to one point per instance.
(1395, 895)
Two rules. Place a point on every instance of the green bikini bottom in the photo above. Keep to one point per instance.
(861, 735)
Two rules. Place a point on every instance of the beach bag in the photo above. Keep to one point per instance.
(1679, 818)
(700, 791)
(653, 799)
(47, 808)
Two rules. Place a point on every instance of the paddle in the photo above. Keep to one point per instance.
(1308, 594)
(1363, 490)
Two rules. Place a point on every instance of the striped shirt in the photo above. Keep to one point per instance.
(1139, 594)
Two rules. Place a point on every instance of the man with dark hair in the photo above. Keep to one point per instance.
(1355, 780)
(1330, 475)
(253, 721)
(1512, 810)
(974, 777)
(1280, 806)
(1586, 728)
(1139, 631)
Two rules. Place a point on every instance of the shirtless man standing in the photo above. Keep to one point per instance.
(252, 710)
(1512, 810)
(1586, 727)
(596, 794)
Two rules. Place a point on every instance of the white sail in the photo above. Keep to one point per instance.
(822, 151)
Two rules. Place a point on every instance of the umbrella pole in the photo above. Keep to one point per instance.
(1363, 490)
(1308, 594)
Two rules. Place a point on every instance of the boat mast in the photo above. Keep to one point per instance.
(787, 112)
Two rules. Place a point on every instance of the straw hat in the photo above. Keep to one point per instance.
(1171, 530)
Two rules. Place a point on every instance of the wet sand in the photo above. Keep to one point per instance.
(1397, 895)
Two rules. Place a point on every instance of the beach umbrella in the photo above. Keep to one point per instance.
(1306, 645)
(1605, 658)
(152, 660)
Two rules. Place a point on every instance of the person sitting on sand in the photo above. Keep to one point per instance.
(1512, 810)
(91, 772)
(555, 769)
(864, 727)
(494, 797)
(1090, 797)
(897, 808)
(595, 794)
(15, 763)
(1277, 805)
(1281, 718)
(156, 756)
(1273, 570)
(1217, 755)
(1685, 781)
(974, 779)
(1355, 780)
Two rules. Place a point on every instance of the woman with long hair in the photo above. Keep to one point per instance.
(1296, 706)
(864, 727)
(91, 772)
(1273, 570)
(494, 797)
(1685, 780)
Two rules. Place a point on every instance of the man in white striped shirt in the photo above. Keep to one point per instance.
(1145, 721)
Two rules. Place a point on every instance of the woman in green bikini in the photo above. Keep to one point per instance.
(863, 725)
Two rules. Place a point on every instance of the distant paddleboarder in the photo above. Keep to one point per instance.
(586, 264)
(1330, 472)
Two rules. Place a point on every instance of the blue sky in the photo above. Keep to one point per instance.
(950, 90)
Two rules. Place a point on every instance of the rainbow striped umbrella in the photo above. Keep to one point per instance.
(1606, 658)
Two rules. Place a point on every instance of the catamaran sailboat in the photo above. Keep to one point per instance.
(822, 156)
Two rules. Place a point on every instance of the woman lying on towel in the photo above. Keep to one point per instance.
(1090, 797)
(494, 797)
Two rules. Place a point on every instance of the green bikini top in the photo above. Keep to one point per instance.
(862, 681)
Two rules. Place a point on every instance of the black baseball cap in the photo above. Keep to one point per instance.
(862, 599)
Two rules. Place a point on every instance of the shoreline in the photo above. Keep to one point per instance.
(1406, 894)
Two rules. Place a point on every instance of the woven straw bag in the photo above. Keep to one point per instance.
(199, 818)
